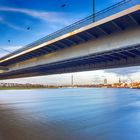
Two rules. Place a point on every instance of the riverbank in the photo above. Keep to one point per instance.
(31, 88)
(18, 88)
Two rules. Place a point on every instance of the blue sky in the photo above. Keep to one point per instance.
(43, 17)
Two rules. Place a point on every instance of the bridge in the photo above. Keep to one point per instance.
(108, 39)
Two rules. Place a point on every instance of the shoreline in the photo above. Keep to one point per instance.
(31, 88)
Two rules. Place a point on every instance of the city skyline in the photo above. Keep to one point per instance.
(89, 77)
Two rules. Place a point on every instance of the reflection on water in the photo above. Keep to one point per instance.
(70, 114)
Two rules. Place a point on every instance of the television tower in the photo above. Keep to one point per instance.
(72, 80)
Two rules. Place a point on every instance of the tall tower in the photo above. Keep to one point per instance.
(71, 80)
(105, 81)
(119, 80)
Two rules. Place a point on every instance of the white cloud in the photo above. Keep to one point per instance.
(2, 21)
(124, 71)
(52, 17)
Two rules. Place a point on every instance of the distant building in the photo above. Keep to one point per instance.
(119, 80)
(105, 81)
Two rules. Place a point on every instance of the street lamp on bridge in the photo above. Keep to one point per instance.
(93, 7)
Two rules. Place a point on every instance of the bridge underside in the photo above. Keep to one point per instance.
(125, 57)
(104, 57)
(105, 28)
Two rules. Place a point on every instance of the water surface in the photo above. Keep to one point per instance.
(70, 114)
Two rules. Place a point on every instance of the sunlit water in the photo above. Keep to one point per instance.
(70, 114)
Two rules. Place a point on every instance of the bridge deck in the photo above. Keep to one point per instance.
(101, 24)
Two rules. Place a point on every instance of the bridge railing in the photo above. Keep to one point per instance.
(124, 4)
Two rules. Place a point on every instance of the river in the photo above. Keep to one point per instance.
(70, 114)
